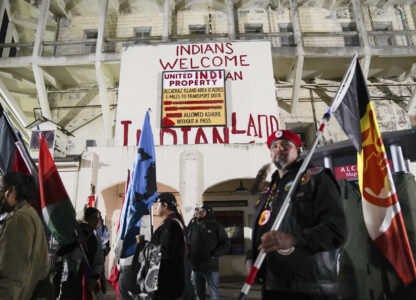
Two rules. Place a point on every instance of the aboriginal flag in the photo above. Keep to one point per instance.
(381, 208)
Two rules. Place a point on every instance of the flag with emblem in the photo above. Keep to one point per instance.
(381, 208)
(141, 193)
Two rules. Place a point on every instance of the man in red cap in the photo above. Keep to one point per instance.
(302, 254)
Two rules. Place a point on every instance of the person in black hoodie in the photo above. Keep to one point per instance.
(75, 265)
(208, 241)
(171, 236)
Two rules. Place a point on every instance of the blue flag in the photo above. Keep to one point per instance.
(141, 192)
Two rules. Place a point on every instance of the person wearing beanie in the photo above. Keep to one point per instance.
(302, 254)
(208, 241)
(170, 235)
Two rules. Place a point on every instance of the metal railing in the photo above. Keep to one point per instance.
(377, 39)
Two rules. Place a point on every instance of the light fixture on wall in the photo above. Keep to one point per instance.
(241, 187)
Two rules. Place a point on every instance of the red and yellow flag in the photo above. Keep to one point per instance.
(381, 208)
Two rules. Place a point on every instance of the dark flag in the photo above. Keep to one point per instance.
(14, 157)
(8, 153)
(381, 208)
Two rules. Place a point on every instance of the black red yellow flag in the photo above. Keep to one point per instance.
(381, 208)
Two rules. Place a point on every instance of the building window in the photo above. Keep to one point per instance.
(350, 40)
(288, 40)
(253, 28)
(383, 40)
(90, 47)
(142, 32)
(197, 29)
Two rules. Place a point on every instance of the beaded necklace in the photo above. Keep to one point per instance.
(267, 211)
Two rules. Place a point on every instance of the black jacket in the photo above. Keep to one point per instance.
(172, 269)
(208, 241)
(316, 218)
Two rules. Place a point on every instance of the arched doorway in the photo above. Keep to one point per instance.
(233, 206)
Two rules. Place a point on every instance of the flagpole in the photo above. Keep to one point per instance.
(151, 221)
(334, 105)
(151, 207)
(82, 250)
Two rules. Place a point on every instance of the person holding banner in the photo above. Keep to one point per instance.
(302, 255)
(24, 266)
(83, 259)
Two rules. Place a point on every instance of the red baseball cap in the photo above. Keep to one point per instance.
(284, 135)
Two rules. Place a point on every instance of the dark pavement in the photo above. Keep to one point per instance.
(229, 289)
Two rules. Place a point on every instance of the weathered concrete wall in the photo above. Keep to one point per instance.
(74, 30)
(391, 114)
(218, 20)
(314, 19)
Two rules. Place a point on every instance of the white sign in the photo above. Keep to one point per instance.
(251, 113)
(193, 99)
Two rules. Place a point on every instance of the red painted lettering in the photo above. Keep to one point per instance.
(182, 62)
(217, 138)
(243, 61)
(259, 125)
(229, 76)
(194, 67)
(168, 65)
(208, 49)
(251, 125)
(126, 132)
(217, 61)
(219, 48)
(200, 134)
(230, 59)
(185, 131)
(273, 119)
(202, 62)
(230, 49)
(234, 129)
(195, 49)
(167, 130)
(185, 49)
(238, 75)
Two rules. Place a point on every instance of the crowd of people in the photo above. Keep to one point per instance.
(301, 259)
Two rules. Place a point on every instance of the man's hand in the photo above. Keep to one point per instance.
(276, 240)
